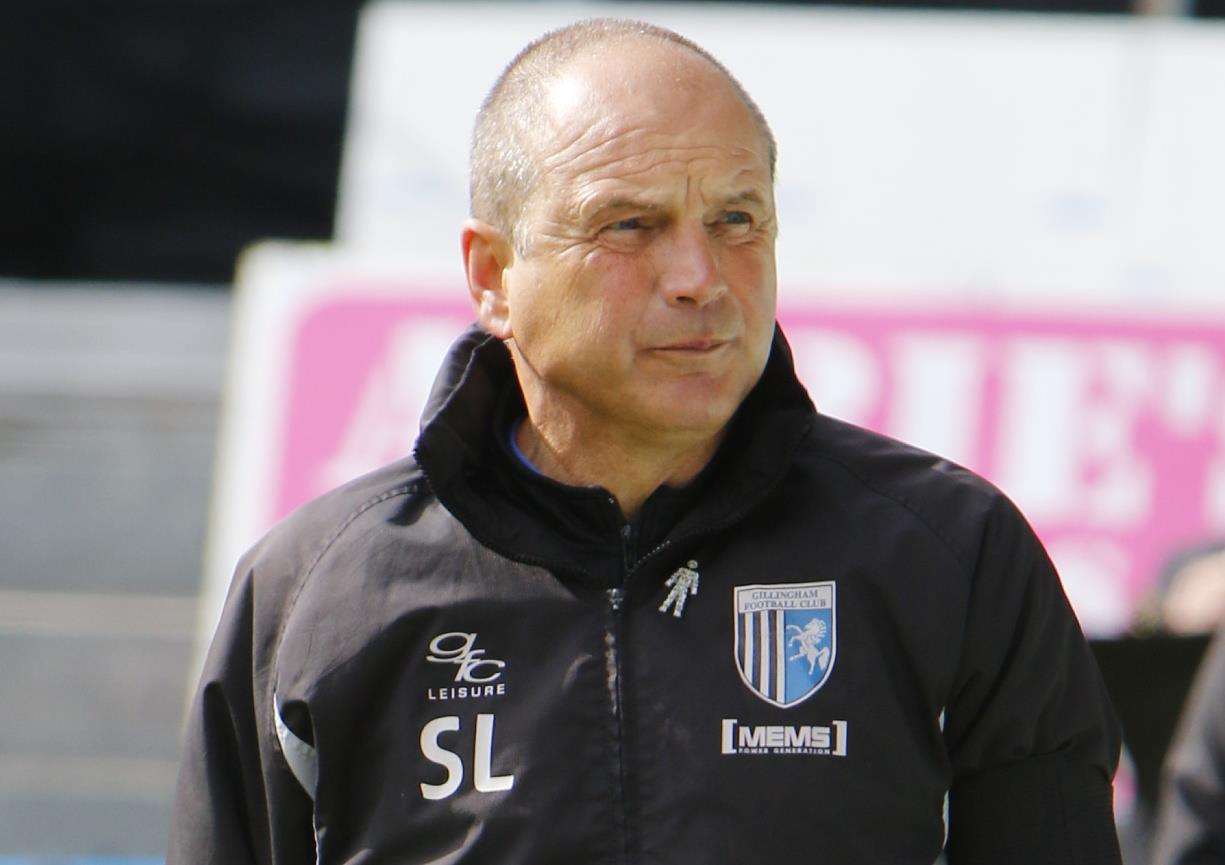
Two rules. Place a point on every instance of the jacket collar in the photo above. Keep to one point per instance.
(577, 531)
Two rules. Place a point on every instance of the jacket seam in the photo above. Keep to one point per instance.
(970, 569)
(958, 555)
(405, 489)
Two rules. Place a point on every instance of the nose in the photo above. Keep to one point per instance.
(688, 270)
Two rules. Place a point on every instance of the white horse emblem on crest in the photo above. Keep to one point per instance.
(809, 637)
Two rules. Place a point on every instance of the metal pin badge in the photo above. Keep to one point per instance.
(683, 583)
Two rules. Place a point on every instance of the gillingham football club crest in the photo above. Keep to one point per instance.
(786, 639)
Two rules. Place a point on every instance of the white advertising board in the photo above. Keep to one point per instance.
(1000, 159)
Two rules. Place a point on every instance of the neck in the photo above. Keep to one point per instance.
(630, 465)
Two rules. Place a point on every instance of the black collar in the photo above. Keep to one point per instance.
(579, 531)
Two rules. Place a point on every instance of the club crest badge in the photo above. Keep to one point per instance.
(786, 639)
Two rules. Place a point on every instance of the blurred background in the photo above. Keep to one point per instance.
(229, 266)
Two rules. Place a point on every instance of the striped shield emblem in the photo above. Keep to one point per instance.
(786, 639)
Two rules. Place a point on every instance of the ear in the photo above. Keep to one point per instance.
(487, 253)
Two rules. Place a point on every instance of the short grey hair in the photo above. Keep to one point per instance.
(503, 167)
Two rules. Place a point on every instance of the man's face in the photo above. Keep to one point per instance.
(645, 294)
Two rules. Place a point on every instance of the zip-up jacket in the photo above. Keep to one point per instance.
(828, 646)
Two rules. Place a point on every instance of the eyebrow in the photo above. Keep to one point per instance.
(623, 202)
(748, 196)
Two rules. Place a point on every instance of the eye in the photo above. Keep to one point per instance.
(733, 224)
(633, 223)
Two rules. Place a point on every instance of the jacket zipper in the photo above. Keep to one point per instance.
(709, 529)
(612, 639)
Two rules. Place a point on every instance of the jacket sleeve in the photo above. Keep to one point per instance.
(1191, 824)
(1031, 735)
(236, 801)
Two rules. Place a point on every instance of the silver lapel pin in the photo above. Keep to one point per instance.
(683, 583)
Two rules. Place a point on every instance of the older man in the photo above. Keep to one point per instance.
(632, 599)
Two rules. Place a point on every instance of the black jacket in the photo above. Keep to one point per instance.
(455, 660)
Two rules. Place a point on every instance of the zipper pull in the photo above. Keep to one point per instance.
(628, 545)
(683, 583)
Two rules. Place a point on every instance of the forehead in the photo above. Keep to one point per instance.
(644, 118)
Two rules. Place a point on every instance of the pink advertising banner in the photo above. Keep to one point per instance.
(1108, 431)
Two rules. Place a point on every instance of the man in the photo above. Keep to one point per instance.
(632, 599)
(1191, 822)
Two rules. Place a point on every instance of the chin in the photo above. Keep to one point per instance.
(695, 410)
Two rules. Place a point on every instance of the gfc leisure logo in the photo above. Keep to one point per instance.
(472, 667)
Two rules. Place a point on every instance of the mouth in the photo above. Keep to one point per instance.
(693, 346)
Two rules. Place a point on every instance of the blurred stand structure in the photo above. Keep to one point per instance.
(152, 140)
(109, 400)
(155, 139)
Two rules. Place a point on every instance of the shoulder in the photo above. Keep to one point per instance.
(282, 562)
(270, 576)
(309, 530)
(892, 480)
